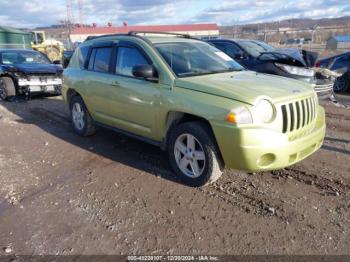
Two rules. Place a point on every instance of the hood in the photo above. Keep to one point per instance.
(292, 56)
(35, 68)
(247, 86)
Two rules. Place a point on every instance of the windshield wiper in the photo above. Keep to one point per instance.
(198, 73)
(231, 69)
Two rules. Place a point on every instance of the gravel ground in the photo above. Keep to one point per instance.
(108, 194)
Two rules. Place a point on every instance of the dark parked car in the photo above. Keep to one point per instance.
(339, 63)
(27, 72)
(290, 62)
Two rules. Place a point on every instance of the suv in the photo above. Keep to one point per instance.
(194, 101)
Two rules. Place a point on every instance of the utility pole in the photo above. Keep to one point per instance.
(80, 7)
(69, 21)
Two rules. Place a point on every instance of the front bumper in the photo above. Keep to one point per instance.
(322, 85)
(255, 149)
(324, 88)
(39, 85)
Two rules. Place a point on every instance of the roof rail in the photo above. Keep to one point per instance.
(136, 33)
(159, 33)
(90, 37)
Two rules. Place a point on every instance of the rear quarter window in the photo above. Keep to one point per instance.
(82, 55)
(79, 57)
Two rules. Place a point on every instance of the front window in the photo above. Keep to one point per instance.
(229, 48)
(23, 57)
(127, 58)
(196, 58)
(37, 38)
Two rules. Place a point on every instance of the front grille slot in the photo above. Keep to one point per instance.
(307, 111)
(285, 119)
(298, 114)
(304, 115)
(291, 111)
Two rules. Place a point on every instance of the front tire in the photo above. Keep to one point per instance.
(81, 119)
(342, 83)
(7, 89)
(193, 154)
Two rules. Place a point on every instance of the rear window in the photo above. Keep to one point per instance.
(100, 58)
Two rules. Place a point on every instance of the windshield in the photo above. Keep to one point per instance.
(255, 48)
(23, 57)
(190, 59)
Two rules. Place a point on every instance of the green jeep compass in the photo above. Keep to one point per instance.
(194, 101)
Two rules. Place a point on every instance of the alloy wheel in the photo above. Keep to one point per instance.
(340, 84)
(189, 155)
(78, 116)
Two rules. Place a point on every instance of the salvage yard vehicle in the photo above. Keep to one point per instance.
(194, 101)
(27, 72)
(289, 62)
(51, 47)
(339, 63)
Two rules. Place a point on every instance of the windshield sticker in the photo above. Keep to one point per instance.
(224, 56)
(29, 59)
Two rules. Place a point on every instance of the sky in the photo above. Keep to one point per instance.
(35, 13)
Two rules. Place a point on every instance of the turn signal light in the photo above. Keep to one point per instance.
(231, 117)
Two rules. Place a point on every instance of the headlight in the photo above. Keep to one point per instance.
(263, 111)
(294, 70)
(239, 116)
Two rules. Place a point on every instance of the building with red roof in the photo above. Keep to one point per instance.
(79, 34)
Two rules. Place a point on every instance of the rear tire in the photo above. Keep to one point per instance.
(193, 154)
(80, 116)
(342, 83)
(7, 89)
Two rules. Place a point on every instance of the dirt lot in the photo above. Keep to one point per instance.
(108, 194)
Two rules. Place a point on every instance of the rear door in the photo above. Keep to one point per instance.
(99, 81)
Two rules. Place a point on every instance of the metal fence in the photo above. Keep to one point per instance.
(315, 38)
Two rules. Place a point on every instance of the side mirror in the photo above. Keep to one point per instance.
(145, 71)
(57, 62)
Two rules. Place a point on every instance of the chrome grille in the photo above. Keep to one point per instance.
(298, 114)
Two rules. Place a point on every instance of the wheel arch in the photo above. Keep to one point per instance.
(178, 117)
(70, 94)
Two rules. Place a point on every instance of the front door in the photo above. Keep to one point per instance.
(116, 98)
(137, 100)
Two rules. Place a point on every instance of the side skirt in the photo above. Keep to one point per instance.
(129, 134)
